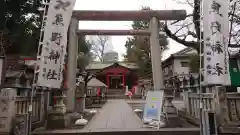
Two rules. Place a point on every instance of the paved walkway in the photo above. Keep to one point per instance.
(115, 115)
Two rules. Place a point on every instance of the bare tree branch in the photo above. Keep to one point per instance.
(231, 23)
(188, 2)
(187, 32)
(181, 41)
(99, 45)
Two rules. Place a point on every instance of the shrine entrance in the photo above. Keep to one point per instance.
(116, 75)
(153, 16)
(116, 81)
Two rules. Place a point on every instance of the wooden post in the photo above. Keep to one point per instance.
(107, 79)
(123, 78)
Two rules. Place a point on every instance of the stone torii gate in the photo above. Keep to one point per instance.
(149, 15)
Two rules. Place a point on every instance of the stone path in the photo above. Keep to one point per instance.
(115, 115)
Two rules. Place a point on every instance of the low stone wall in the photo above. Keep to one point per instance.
(14, 107)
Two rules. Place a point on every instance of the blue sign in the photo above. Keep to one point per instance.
(153, 106)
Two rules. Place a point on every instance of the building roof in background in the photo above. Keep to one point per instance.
(14, 74)
(16, 67)
(186, 52)
(14, 63)
(18, 74)
(97, 66)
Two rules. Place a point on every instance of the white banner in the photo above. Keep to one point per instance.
(54, 47)
(216, 30)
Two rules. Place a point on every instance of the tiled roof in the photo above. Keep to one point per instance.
(93, 66)
(14, 74)
(14, 63)
(18, 74)
(184, 52)
(96, 83)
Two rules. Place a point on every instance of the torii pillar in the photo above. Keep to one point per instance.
(156, 52)
(72, 65)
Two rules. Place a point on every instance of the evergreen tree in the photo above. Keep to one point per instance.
(138, 48)
(19, 23)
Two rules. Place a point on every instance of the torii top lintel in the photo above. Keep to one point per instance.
(138, 15)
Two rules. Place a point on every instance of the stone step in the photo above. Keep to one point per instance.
(121, 97)
(115, 96)
(115, 91)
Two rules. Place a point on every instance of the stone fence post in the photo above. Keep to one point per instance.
(80, 99)
(7, 109)
(221, 105)
(186, 100)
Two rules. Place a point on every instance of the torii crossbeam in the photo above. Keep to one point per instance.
(114, 15)
(114, 32)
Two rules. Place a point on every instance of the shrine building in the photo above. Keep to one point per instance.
(115, 75)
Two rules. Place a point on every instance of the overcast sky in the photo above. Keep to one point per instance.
(119, 41)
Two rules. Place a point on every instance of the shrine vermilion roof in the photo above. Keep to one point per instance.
(100, 66)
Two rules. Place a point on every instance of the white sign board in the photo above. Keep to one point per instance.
(153, 106)
(54, 43)
(216, 30)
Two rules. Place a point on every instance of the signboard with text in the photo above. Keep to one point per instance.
(153, 106)
(216, 33)
(54, 44)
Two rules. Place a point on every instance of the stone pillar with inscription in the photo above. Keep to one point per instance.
(7, 109)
